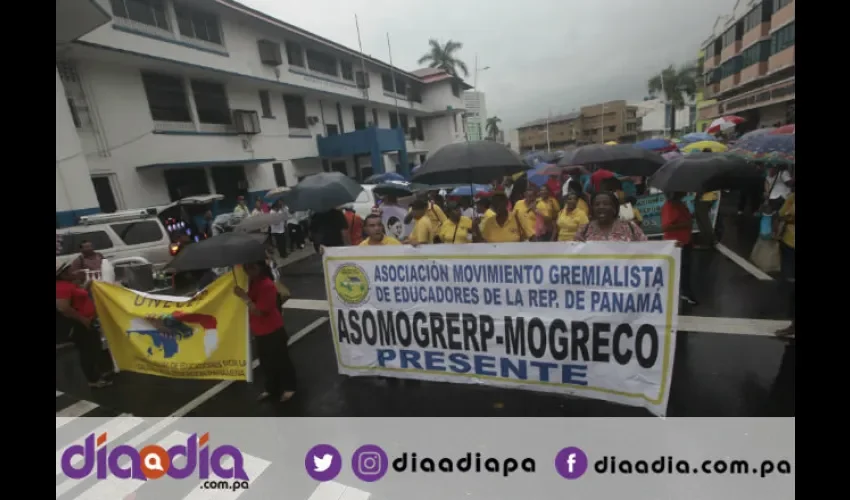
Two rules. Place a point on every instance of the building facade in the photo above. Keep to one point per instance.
(750, 64)
(655, 114)
(173, 98)
(476, 115)
(554, 132)
(609, 121)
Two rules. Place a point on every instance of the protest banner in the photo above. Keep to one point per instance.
(650, 209)
(201, 337)
(393, 218)
(594, 319)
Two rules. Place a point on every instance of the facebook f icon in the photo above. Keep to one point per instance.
(571, 463)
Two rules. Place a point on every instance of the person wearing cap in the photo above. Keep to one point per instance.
(74, 303)
(241, 209)
(503, 227)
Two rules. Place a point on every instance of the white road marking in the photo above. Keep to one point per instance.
(75, 410)
(743, 263)
(113, 429)
(253, 468)
(694, 324)
(224, 384)
(331, 490)
(59, 393)
(113, 487)
(310, 305)
(140, 438)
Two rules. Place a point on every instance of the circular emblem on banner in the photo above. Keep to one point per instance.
(351, 284)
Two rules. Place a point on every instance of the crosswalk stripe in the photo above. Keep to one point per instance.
(114, 487)
(331, 490)
(253, 468)
(77, 409)
(113, 429)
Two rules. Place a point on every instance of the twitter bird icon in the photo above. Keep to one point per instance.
(323, 462)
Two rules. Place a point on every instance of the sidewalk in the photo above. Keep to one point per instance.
(295, 256)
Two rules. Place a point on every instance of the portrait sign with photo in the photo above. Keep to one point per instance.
(393, 219)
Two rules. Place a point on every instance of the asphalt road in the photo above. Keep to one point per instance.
(727, 363)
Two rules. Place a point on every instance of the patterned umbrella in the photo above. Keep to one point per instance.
(714, 146)
(755, 133)
(724, 123)
(697, 136)
(657, 145)
(770, 149)
(785, 129)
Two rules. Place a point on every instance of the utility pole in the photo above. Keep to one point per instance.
(602, 125)
(548, 143)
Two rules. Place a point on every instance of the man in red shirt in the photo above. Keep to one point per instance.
(75, 304)
(677, 224)
(266, 323)
(355, 225)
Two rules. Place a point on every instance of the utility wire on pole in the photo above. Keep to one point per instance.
(395, 82)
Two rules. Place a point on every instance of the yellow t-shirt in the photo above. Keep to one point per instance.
(423, 231)
(436, 214)
(569, 222)
(489, 213)
(388, 240)
(447, 230)
(492, 232)
(789, 236)
(710, 196)
(527, 218)
(582, 205)
(548, 208)
(638, 216)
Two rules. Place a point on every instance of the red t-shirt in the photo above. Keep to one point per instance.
(355, 227)
(675, 213)
(263, 294)
(554, 186)
(80, 300)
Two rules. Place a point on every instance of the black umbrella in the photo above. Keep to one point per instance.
(399, 189)
(473, 162)
(224, 250)
(624, 159)
(259, 222)
(322, 192)
(703, 172)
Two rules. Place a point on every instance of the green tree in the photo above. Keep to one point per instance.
(677, 86)
(444, 57)
(492, 127)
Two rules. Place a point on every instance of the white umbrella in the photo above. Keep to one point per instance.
(277, 192)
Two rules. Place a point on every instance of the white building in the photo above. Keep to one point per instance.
(172, 98)
(655, 117)
(476, 115)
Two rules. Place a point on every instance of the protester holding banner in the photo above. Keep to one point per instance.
(456, 228)
(605, 224)
(266, 324)
(424, 230)
(74, 303)
(677, 224)
(375, 232)
(502, 227)
(525, 210)
(547, 211)
(435, 212)
(569, 219)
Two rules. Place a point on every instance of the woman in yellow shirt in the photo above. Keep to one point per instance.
(787, 253)
(547, 209)
(570, 219)
(375, 233)
(423, 230)
(456, 228)
(503, 227)
(525, 210)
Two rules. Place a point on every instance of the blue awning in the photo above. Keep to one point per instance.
(201, 164)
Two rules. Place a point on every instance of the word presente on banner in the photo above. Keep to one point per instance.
(594, 319)
(650, 209)
(201, 337)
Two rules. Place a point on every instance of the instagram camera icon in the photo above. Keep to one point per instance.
(369, 463)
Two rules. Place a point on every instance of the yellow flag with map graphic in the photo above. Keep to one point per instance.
(201, 337)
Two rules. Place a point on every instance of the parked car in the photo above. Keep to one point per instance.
(365, 201)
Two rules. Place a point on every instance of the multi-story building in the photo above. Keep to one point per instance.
(750, 64)
(655, 118)
(553, 132)
(476, 115)
(609, 121)
(172, 98)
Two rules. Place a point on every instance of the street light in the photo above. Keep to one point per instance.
(475, 73)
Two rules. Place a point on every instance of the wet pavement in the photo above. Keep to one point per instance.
(715, 374)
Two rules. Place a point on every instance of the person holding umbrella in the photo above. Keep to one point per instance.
(677, 224)
(502, 227)
(266, 325)
(456, 228)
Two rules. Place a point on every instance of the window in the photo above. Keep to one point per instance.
(455, 89)
(778, 4)
(753, 19)
(266, 104)
(279, 176)
(166, 98)
(420, 130)
(375, 121)
(400, 86)
(296, 111)
(709, 50)
(729, 37)
(150, 12)
(612, 128)
(759, 52)
(321, 62)
(782, 38)
(211, 102)
(404, 123)
(103, 192)
(137, 233)
(183, 182)
(331, 129)
(347, 70)
(71, 242)
(197, 23)
(393, 119)
(387, 83)
(294, 54)
(359, 113)
(730, 67)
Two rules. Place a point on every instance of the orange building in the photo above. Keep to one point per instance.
(749, 64)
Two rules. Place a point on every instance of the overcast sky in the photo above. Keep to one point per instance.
(542, 54)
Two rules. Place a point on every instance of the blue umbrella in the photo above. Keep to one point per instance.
(656, 145)
(467, 190)
(382, 178)
(773, 149)
(541, 173)
(698, 136)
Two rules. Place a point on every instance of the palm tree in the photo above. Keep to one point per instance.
(492, 127)
(443, 57)
(676, 84)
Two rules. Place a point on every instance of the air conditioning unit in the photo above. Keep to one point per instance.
(312, 120)
(269, 53)
(362, 80)
(246, 121)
